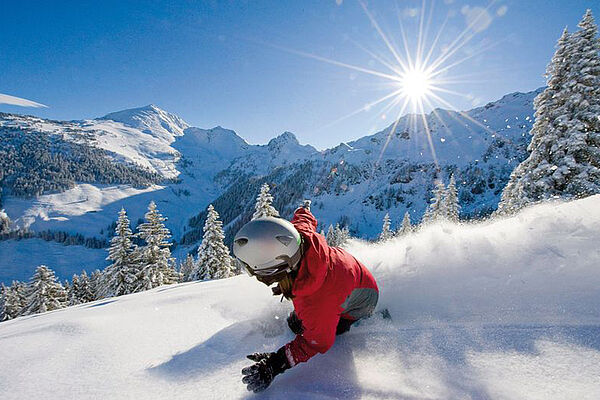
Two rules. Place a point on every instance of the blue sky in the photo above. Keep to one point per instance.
(237, 63)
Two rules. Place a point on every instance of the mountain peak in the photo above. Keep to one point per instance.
(283, 139)
(150, 119)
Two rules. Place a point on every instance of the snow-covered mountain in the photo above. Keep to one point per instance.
(150, 119)
(393, 171)
(503, 309)
(355, 183)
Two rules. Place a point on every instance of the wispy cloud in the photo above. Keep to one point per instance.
(17, 101)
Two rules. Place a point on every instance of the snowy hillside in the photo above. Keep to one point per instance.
(504, 309)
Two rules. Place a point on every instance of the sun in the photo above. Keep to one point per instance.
(418, 73)
(415, 84)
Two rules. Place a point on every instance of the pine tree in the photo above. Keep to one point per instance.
(583, 148)
(343, 235)
(73, 291)
(386, 230)
(3, 290)
(436, 209)
(156, 263)
(68, 290)
(564, 159)
(264, 201)
(451, 206)
(84, 292)
(14, 300)
(214, 261)
(121, 277)
(406, 227)
(331, 237)
(186, 268)
(44, 293)
(96, 280)
(4, 222)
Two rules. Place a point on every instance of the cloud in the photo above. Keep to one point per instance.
(477, 18)
(17, 101)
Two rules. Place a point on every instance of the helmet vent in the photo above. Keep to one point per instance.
(285, 240)
(241, 242)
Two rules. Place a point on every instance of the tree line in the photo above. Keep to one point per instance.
(134, 268)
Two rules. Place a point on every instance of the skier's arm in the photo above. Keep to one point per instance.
(318, 336)
(304, 221)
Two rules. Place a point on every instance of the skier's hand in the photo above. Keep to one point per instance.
(259, 376)
(306, 204)
(258, 356)
(295, 323)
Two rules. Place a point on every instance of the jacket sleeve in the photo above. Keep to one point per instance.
(304, 221)
(318, 336)
(315, 260)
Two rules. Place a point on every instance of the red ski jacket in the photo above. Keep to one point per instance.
(327, 276)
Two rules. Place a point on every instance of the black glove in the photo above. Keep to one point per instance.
(295, 323)
(259, 376)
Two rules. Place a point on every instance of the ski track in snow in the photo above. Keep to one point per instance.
(504, 309)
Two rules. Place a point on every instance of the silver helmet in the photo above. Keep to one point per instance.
(269, 248)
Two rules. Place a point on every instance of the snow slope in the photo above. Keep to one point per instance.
(503, 309)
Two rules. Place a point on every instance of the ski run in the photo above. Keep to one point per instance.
(504, 309)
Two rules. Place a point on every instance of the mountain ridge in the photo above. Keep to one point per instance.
(354, 183)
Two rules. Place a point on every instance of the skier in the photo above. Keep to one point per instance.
(329, 288)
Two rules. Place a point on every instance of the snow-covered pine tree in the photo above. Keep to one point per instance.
(343, 235)
(564, 159)
(583, 148)
(214, 261)
(386, 229)
(331, 236)
(528, 182)
(172, 276)
(406, 227)
(338, 234)
(121, 277)
(186, 268)
(156, 263)
(73, 291)
(14, 300)
(96, 280)
(436, 210)
(264, 204)
(3, 290)
(68, 290)
(84, 291)
(4, 222)
(44, 292)
(451, 206)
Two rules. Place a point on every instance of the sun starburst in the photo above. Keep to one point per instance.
(416, 84)
(419, 72)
